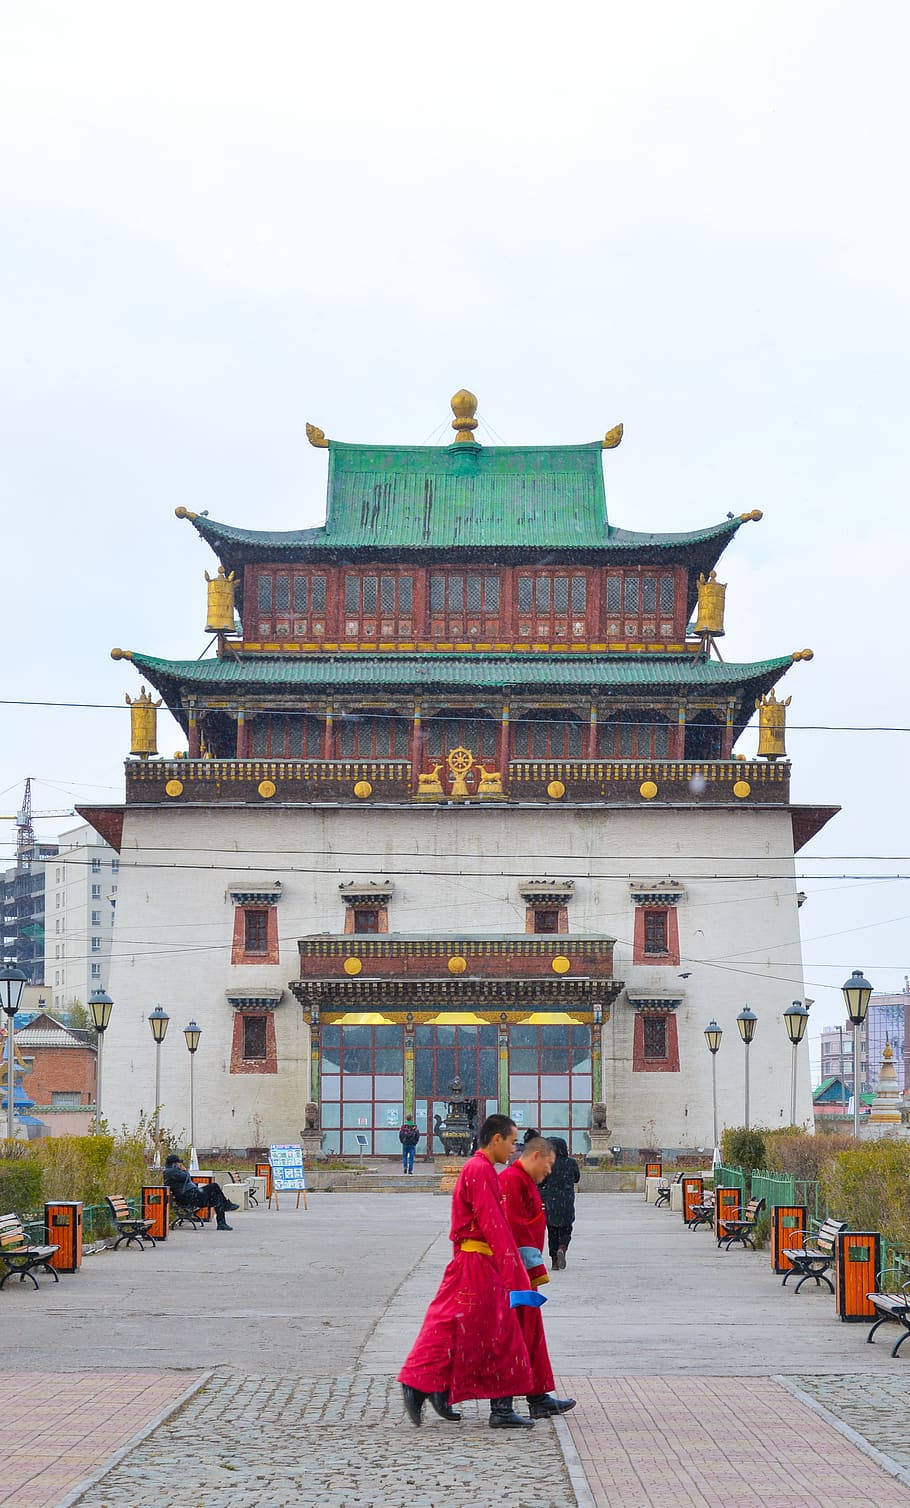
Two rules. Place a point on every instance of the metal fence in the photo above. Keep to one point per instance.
(97, 1224)
(774, 1188)
(730, 1178)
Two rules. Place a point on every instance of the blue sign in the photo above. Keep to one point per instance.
(287, 1168)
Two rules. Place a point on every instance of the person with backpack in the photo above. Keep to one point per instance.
(409, 1136)
(558, 1194)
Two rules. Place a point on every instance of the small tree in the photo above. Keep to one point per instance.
(743, 1148)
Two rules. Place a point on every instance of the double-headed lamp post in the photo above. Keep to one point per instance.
(857, 993)
(795, 1019)
(12, 983)
(747, 1022)
(713, 1034)
(192, 1034)
(158, 1021)
(100, 1005)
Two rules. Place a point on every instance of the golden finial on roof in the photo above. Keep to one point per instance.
(751, 518)
(182, 512)
(772, 727)
(888, 1052)
(802, 654)
(711, 600)
(464, 407)
(612, 437)
(143, 724)
(316, 437)
(121, 654)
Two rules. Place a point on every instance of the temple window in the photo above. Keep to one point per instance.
(656, 931)
(704, 736)
(656, 926)
(463, 604)
(655, 1040)
(255, 938)
(378, 605)
(640, 604)
(366, 918)
(546, 735)
(275, 735)
(552, 605)
(254, 1045)
(362, 736)
(452, 730)
(546, 918)
(634, 734)
(290, 604)
(366, 906)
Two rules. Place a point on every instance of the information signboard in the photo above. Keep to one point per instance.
(287, 1168)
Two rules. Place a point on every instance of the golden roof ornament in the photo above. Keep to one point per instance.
(316, 436)
(772, 727)
(464, 407)
(711, 599)
(220, 616)
(612, 437)
(143, 724)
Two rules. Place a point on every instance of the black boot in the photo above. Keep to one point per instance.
(443, 1407)
(503, 1416)
(223, 1225)
(545, 1405)
(414, 1401)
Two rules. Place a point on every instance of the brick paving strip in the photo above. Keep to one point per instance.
(60, 1428)
(729, 1442)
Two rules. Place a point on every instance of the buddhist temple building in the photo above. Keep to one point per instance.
(461, 793)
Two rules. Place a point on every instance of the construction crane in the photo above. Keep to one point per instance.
(26, 842)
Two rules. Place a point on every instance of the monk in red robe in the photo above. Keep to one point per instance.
(523, 1208)
(470, 1344)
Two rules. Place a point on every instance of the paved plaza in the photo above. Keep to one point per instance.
(256, 1369)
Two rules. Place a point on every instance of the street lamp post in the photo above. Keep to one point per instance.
(747, 1021)
(713, 1034)
(192, 1034)
(795, 1019)
(12, 983)
(100, 1005)
(158, 1021)
(857, 993)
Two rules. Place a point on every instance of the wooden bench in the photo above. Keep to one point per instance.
(739, 1229)
(20, 1257)
(702, 1214)
(813, 1261)
(891, 1306)
(129, 1229)
(663, 1189)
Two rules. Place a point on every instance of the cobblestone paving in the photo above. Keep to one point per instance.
(876, 1407)
(341, 1442)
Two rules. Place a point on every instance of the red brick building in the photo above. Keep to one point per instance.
(62, 1064)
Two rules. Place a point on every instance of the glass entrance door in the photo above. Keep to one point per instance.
(441, 1052)
(362, 1089)
(550, 1081)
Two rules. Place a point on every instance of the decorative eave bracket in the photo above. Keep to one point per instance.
(254, 1000)
(248, 895)
(547, 892)
(660, 1004)
(656, 892)
(366, 892)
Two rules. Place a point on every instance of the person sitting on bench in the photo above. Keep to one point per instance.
(184, 1191)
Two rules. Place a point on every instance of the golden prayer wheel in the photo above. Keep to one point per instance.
(220, 618)
(711, 594)
(143, 724)
(772, 727)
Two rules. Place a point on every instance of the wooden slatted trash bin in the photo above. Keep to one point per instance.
(653, 1169)
(156, 1207)
(726, 1207)
(264, 1170)
(859, 1260)
(693, 1192)
(63, 1229)
(788, 1228)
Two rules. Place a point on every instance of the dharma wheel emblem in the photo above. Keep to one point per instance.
(459, 761)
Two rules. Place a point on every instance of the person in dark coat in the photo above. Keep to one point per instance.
(184, 1191)
(558, 1194)
(409, 1136)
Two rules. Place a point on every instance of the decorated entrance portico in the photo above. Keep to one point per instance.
(393, 1019)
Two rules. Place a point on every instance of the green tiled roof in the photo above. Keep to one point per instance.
(400, 672)
(463, 498)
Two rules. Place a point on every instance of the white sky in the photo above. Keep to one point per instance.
(219, 220)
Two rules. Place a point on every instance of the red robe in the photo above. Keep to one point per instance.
(527, 1219)
(470, 1344)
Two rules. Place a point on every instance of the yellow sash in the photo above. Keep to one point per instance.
(481, 1246)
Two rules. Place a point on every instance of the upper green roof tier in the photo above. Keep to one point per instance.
(638, 674)
(473, 499)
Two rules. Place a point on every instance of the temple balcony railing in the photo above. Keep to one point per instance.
(364, 782)
(388, 957)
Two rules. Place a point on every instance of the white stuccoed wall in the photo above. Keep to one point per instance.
(454, 870)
